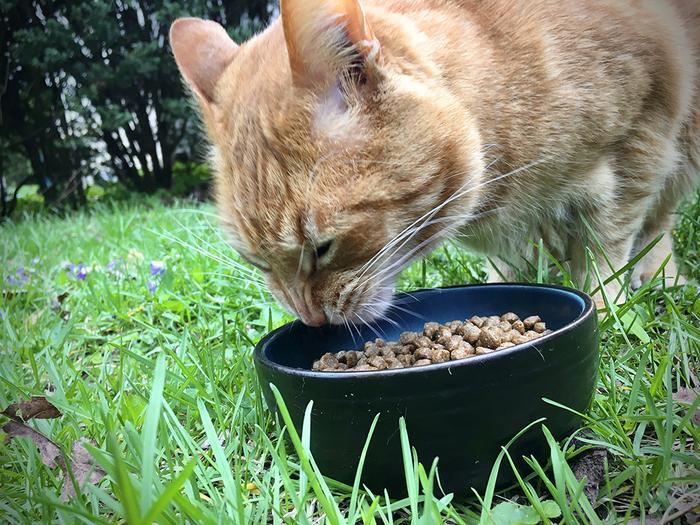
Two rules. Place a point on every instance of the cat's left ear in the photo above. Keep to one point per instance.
(325, 36)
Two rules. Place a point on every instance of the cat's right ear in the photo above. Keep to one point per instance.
(202, 50)
(324, 37)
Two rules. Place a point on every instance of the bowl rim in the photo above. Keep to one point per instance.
(588, 310)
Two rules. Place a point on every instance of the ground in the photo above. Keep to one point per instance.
(137, 323)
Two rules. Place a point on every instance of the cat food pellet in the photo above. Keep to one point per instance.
(423, 341)
(392, 362)
(519, 326)
(509, 317)
(454, 342)
(519, 339)
(329, 360)
(407, 338)
(539, 327)
(387, 351)
(529, 322)
(377, 362)
(470, 332)
(406, 359)
(351, 358)
(490, 337)
(477, 321)
(441, 356)
(430, 329)
(437, 343)
(454, 325)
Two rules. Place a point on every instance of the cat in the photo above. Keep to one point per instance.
(350, 138)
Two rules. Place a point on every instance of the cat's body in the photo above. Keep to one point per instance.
(499, 122)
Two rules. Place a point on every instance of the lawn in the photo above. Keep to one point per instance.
(138, 324)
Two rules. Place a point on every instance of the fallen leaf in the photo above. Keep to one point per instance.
(36, 408)
(48, 450)
(80, 467)
(687, 396)
(681, 507)
(83, 468)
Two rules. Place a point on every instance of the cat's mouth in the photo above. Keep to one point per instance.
(363, 308)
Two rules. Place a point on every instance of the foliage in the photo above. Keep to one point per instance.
(90, 87)
(146, 348)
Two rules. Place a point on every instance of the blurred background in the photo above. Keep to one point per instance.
(92, 107)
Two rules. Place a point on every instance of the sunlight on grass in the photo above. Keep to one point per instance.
(146, 349)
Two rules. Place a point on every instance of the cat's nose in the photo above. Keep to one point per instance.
(308, 313)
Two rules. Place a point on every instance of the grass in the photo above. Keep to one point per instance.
(163, 385)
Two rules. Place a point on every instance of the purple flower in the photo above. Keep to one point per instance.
(13, 281)
(152, 286)
(19, 279)
(81, 272)
(114, 265)
(157, 268)
(22, 275)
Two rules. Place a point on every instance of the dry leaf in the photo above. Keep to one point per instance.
(687, 396)
(48, 450)
(81, 464)
(36, 408)
(84, 470)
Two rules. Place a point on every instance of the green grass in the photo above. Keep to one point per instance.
(163, 384)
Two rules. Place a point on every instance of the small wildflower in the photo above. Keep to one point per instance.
(13, 281)
(152, 286)
(35, 261)
(79, 271)
(114, 266)
(22, 275)
(157, 268)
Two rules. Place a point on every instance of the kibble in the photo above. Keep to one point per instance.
(437, 343)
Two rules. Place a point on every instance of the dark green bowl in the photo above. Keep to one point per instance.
(461, 412)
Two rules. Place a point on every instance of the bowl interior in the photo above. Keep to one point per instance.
(295, 345)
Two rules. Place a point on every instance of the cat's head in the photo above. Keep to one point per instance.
(339, 156)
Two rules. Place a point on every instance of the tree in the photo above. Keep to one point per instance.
(91, 86)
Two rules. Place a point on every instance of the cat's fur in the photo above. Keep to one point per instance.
(388, 127)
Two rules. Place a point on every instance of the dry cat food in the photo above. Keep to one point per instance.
(438, 343)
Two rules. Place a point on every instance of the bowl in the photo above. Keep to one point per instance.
(461, 412)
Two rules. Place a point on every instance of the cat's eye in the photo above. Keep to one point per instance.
(322, 249)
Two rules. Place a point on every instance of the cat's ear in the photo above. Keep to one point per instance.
(324, 36)
(202, 50)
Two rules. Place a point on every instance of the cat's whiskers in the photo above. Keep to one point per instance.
(413, 230)
(248, 275)
(416, 225)
(450, 230)
(347, 326)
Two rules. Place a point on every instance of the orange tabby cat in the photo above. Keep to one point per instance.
(349, 138)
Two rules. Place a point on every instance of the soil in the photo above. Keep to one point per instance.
(437, 343)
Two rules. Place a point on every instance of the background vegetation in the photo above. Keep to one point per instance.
(90, 97)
